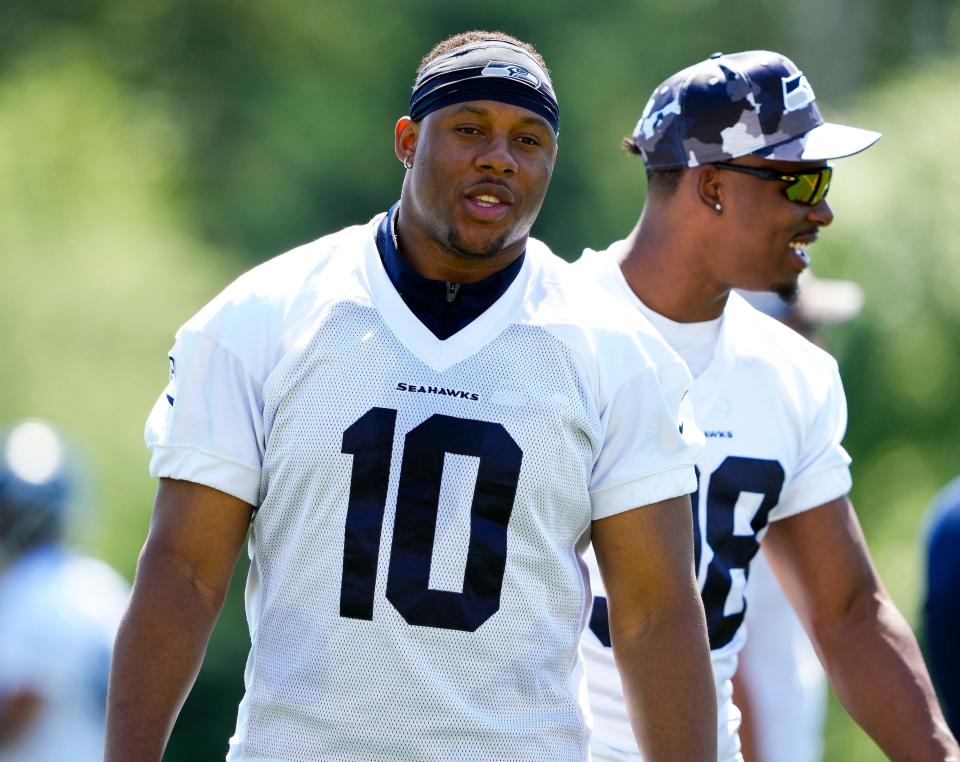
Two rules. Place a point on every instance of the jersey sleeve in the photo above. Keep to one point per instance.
(650, 442)
(207, 425)
(823, 472)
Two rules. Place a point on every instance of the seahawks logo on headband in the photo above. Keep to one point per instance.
(471, 72)
(513, 71)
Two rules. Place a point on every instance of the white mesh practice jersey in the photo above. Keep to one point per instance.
(416, 590)
(773, 411)
(60, 612)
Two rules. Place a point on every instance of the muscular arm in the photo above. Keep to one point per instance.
(658, 630)
(182, 577)
(865, 644)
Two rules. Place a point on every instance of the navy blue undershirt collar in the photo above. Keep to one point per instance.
(442, 307)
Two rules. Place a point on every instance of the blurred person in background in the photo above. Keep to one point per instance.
(737, 158)
(780, 686)
(59, 609)
(941, 608)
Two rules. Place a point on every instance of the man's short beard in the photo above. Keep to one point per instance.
(788, 293)
(457, 247)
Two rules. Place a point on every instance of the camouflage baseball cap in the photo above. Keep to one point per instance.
(756, 102)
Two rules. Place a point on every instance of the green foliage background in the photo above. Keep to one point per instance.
(151, 151)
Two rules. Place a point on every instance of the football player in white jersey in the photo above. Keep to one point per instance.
(737, 159)
(421, 421)
(59, 609)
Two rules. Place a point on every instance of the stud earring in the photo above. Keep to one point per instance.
(718, 207)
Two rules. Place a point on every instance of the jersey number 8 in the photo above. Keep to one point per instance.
(740, 495)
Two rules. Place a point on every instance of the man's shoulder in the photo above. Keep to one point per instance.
(272, 307)
(280, 283)
(582, 304)
(581, 299)
(613, 338)
(265, 302)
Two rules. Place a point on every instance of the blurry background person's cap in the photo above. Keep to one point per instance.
(822, 301)
(40, 486)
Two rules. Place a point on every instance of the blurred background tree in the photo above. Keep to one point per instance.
(154, 150)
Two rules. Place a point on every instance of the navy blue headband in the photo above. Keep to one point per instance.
(488, 70)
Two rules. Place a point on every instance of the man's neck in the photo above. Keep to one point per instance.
(664, 266)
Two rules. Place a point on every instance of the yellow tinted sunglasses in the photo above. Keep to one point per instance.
(806, 187)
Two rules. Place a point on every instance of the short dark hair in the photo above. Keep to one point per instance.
(477, 35)
(660, 182)
(630, 146)
(664, 182)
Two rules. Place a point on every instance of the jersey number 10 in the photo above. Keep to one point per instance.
(370, 440)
